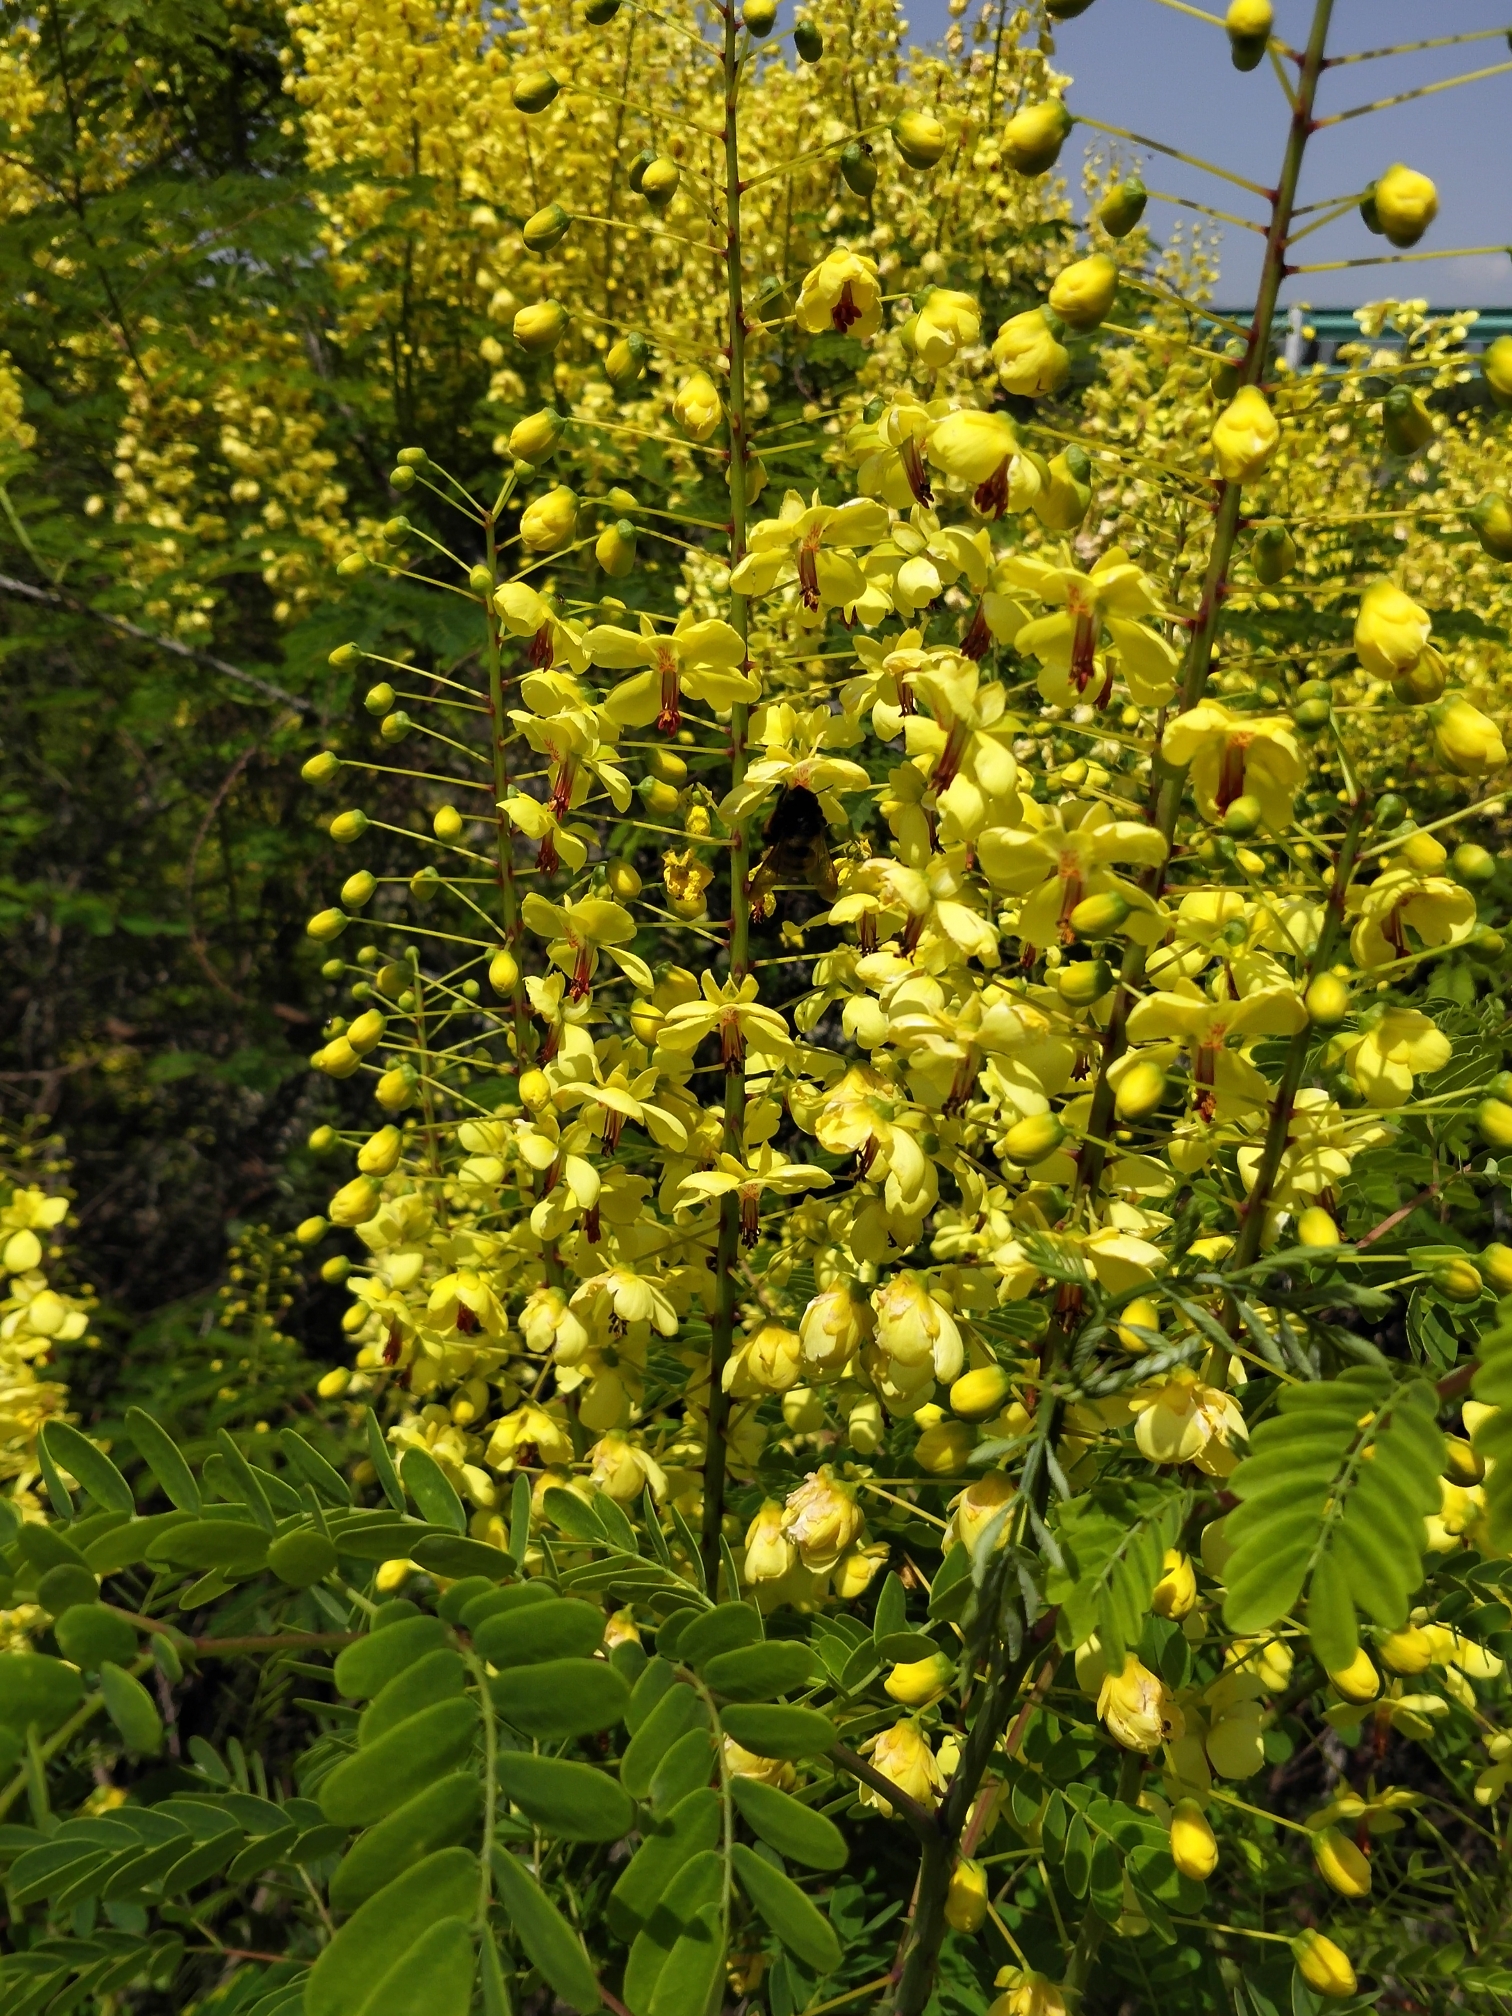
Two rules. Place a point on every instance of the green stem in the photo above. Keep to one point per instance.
(509, 900)
(1171, 787)
(723, 1325)
(1094, 1926)
(490, 1784)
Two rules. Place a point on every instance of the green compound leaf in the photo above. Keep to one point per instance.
(549, 1941)
(795, 1919)
(1113, 1542)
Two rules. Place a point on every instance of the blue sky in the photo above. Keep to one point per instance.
(1143, 65)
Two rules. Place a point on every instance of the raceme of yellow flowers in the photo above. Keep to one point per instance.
(895, 1007)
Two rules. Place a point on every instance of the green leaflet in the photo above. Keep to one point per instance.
(365, 1669)
(313, 1468)
(684, 1768)
(562, 1697)
(723, 1629)
(678, 1710)
(232, 1544)
(549, 1941)
(491, 1969)
(432, 1490)
(36, 1689)
(528, 1636)
(454, 1554)
(434, 1978)
(796, 1920)
(383, 1775)
(88, 1633)
(691, 1827)
(75, 1453)
(1492, 1386)
(302, 1558)
(693, 1973)
(779, 1731)
(436, 1677)
(700, 1883)
(787, 1825)
(389, 1925)
(573, 1802)
(760, 1672)
(1113, 1541)
(1336, 1486)
(434, 1818)
(131, 1708)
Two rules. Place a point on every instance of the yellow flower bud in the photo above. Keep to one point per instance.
(944, 1449)
(1315, 1227)
(347, 827)
(1494, 1119)
(1324, 1966)
(1027, 1994)
(759, 16)
(535, 1090)
(919, 138)
(1496, 1266)
(1083, 982)
(1402, 204)
(1032, 1140)
(1249, 24)
(1062, 502)
(626, 360)
(966, 1899)
(1138, 1711)
(1359, 1680)
(1465, 740)
(539, 327)
(1139, 1090)
(366, 1031)
(395, 1090)
(1275, 553)
(320, 769)
(1496, 369)
(614, 549)
(1034, 136)
(550, 522)
(331, 1385)
(355, 1202)
(310, 1231)
(1176, 1592)
(534, 91)
(379, 1155)
(1028, 357)
(546, 229)
(623, 880)
(1409, 1650)
(1327, 1001)
(503, 972)
(948, 323)
(977, 1395)
(1122, 208)
(1391, 631)
(535, 438)
(1083, 293)
(1457, 1279)
(1194, 1846)
(916, 1683)
(645, 1021)
(1341, 1864)
(1140, 1311)
(326, 926)
(1245, 436)
(659, 183)
(358, 889)
(697, 409)
(1099, 916)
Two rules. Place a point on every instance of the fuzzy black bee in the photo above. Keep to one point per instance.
(795, 850)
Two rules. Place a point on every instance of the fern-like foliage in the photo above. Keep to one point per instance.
(1332, 1498)
(1113, 1542)
(1492, 1439)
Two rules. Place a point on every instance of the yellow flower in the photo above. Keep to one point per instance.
(1029, 360)
(623, 1471)
(704, 660)
(1465, 740)
(549, 522)
(916, 1330)
(1083, 292)
(1138, 1711)
(696, 408)
(966, 1899)
(1245, 436)
(1324, 1966)
(731, 1010)
(1057, 866)
(902, 1754)
(833, 1328)
(1194, 1846)
(1112, 598)
(1385, 1058)
(976, 1508)
(813, 544)
(1175, 1594)
(540, 326)
(822, 1519)
(983, 449)
(1224, 1082)
(1182, 1420)
(685, 878)
(947, 323)
(1435, 910)
(856, 1570)
(764, 1362)
(1341, 1864)
(769, 1554)
(841, 293)
(917, 1683)
(1027, 1994)
(1391, 631)
(742, 1763)
(1237, 756)
(767, 1170)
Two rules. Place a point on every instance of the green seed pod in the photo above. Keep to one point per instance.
(919, 138)
(547, 228)
(598, 13)
(759, 18)
(480, 580)
(412, 458)
(380, 698)
(320, 769)
(1122, 208)
(1390, 811)
(1473, 866)
(326, 926)
(1327, 1001)
(1083, 981)
(808, 43)
(659, 183)
(535, 438)
(539, 327)
(1275, 552)
(1140, 1090)
(1407, 423)
(1492, 519)
(1249, 26)
(1033, 1140)
(394, 727)
(1099, 916)
(1243, 818)
(626, 360)
(357, 890)
(614, 549)
(534, 91)
(1309, 716)
(1224, 376)
(858, 167)
(639, 166)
